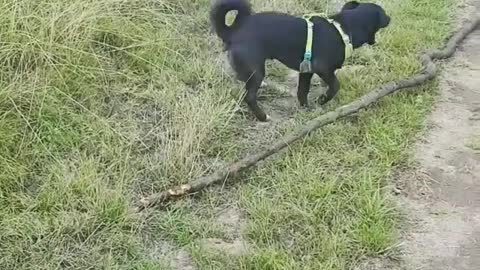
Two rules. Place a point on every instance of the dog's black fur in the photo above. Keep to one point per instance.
(254, 38)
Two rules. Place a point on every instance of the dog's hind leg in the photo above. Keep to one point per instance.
(250, 70)
(304, 80)
(252, 86)
(333, 85)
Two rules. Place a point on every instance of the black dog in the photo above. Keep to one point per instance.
(254, 38)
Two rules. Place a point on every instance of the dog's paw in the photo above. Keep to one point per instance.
(322, 100)
(268, 120)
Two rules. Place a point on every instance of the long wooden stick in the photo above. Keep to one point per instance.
(429, 72)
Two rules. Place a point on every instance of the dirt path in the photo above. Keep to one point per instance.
(443, 195)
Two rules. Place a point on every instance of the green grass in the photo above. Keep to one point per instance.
(474, 143)
(103, 101)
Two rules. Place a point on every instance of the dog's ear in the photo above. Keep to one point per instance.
(350, 5)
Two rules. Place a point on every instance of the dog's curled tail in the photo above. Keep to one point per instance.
(220, 10)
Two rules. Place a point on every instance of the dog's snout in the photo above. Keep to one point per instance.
(385, 21)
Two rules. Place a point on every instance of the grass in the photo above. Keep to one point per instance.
(474, 143)
(103, 101)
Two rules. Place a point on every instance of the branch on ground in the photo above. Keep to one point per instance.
(429, 71)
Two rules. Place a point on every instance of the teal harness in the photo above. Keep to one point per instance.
(306, 65)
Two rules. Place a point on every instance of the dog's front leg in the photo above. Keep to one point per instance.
(333, 85)
(304, 80)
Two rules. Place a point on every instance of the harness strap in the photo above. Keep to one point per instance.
(308, 46)
(345, 38)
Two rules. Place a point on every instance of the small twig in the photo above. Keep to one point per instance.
(429, 72)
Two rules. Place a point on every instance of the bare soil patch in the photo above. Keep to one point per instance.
(443, 195)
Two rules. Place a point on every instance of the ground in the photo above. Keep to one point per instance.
(104, 102)
(442, 194)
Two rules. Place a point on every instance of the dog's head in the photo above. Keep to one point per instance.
(369, 17)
